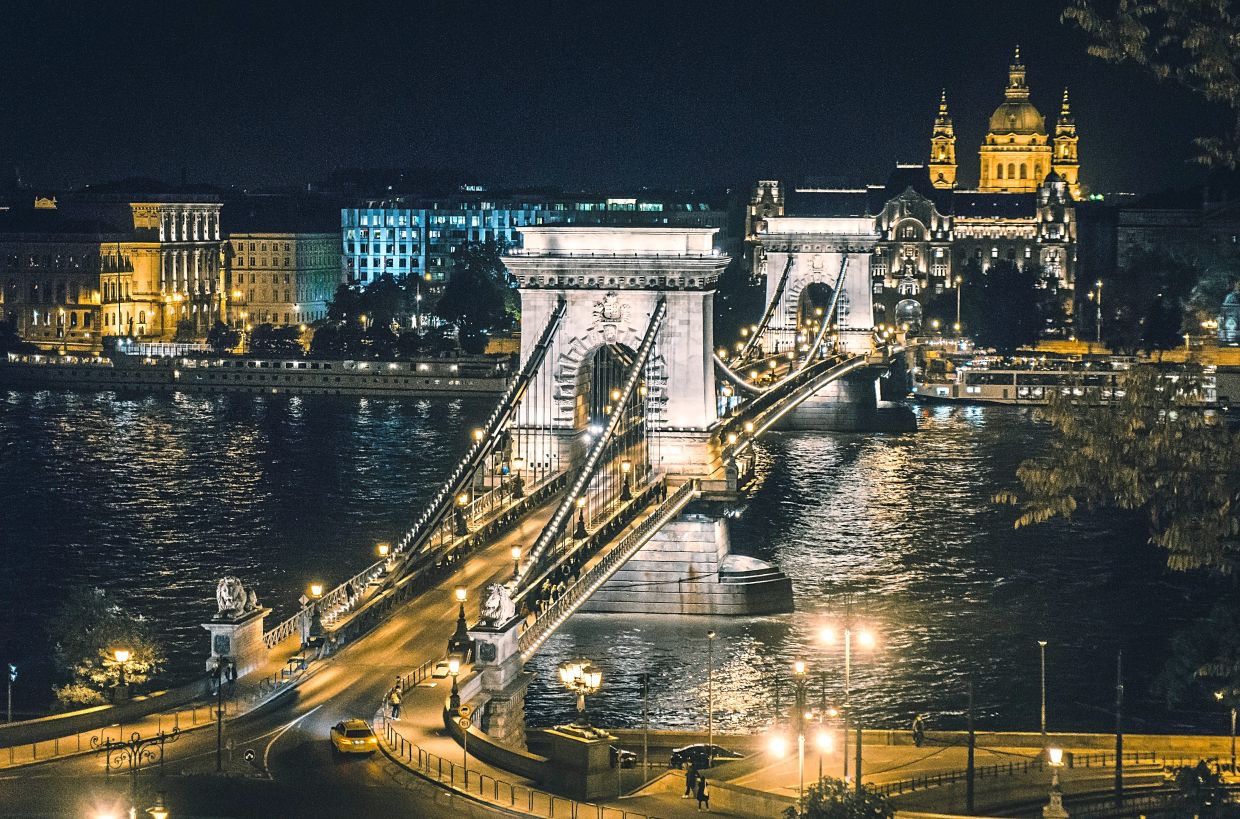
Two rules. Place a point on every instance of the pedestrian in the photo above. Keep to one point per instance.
(919, 730)
(703, 797)
(691, 776)
(394, 700)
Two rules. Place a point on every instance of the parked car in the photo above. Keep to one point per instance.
(701, 755)
(627, 759)
(353, 736)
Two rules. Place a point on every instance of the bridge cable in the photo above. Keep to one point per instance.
(593, 457)
(770, 309)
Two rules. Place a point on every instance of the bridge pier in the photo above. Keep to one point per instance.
(688, 568)
(850, 404)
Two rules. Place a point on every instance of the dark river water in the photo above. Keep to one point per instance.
(156, 496)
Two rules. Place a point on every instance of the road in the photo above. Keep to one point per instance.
(294, 772)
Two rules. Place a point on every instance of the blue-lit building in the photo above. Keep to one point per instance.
(413, 236)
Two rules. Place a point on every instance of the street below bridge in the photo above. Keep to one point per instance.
(294, 772)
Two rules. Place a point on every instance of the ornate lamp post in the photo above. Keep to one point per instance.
(516, 562)
(460, 642)
(458, 515)
(1054, 808)
(580, 532)
(134, 753)
(582, 678)
(798, 674)
(454, 668)
(384, 551)
(316, 617)
(121, 656)
(517, 482)
(956, 326)
(223, 667)
(626, 486)
(866, 640)
(1220, 696)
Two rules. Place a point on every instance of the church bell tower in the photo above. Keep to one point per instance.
(943, 148)
(1065, 159)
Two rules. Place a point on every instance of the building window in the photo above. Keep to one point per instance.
(1023, 170)
(994, 252)
(1000, 173)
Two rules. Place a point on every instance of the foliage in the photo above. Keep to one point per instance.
(479, 297)
(739, 301)
(836, 799)
(277, 342)
(1006, 306)
(186, 332)
(1200, 792)
(1204, 667)
(1220, 276)
(1153, 451)
(1144, 305)
(223, 338)
(1189, 42)
(87, 629)
(11, 342)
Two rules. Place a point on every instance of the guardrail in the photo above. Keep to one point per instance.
(559, 611)
(1024, 765)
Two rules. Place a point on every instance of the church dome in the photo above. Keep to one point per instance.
(1019, 117)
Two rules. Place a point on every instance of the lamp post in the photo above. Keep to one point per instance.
(959, 282)
(385, 551)
(316, 617)
(866, 640)
(710, 697)
(121, 655)
(580, 532)
(1220, 696)
(1098, 323)
(1054, 808)
(1042, 652)
(582, 678)
(458, 515)
(222, 665)
(798, 674)
(516, 562)
(133, 753)
(454, 668)
(626, 486)
(12, 679)
(459, 643)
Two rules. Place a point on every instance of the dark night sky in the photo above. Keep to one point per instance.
(578, 94)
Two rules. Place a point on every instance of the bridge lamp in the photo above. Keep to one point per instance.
(817, 311)
(582, 678)
(158, 810)
(956, 327)
(749, 426)
(934, 324)
(727, 390)
(732, 438)
(744, 332)
(384, 549)
(626, 487)
(462, 499)
(316, 590)
(753, 374)
(615, 395)
(739, 346)
(580, 532)
(772, 364)
(516, 561)
(478, 434)
(753, 328)
(454, 668)
(723, 352)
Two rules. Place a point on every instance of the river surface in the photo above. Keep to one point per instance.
(156, 496)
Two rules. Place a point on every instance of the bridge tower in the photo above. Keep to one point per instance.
(611, 280)
(812, 250)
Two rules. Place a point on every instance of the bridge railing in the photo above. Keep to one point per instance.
(554, 615)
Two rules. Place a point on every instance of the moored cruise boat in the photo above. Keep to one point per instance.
(1034, 381)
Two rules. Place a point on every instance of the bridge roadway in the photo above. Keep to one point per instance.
(296, 774)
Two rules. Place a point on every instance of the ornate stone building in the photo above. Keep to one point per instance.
(929, 228)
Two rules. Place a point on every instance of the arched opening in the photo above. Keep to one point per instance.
(812, 304)
(908, 315)
(1011, 170)
(999, 174)
(1024, 171)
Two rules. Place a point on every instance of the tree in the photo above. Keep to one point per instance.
(836, 799)
(11, 342)
(277, 342)
(186, 332)
(86, 632)
(1152, 451)
(223, 338)
(1200, 792)
(1144, 304)
(1204, 667)
(1006, 306)
(1189, 42)
(477, 298)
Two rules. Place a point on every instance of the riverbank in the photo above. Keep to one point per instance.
(473, 375)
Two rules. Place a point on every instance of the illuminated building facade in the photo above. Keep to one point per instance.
(417, 236)
(281, 278)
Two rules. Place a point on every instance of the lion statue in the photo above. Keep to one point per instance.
(499, 607)
(230, 597)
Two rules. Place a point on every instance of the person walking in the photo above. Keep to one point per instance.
(691, 777)
(394, 701)
(703, 798)
(919, 730)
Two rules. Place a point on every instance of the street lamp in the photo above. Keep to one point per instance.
(459, 643)
(121, 655)
(458, 515)
(626, 487)
(959, 281)
(582, 678)
(158, 810)
(1098, 324)
(454, 668)
(798, 674)
(580, 532)
(316, 617)
(1042, 652)
(865, 639)
(710, 697)
(516, 562)
(825, 745)
(1219, 695)
(1055, 809)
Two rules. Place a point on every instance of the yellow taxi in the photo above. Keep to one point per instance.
(353, 736)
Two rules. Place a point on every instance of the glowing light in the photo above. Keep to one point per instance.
(798, 667)
(581, 502)
(731, 437)
(516, 552)
(316, 590)
(866, 638)
(778, 746)
(626, 466)
(122, 655)
(827, 636)
(1055, 755)
(460, 594)
(454, 666)
(478, 434)
(824, 742)
(462, 499)
(749, 426)
(384, 549)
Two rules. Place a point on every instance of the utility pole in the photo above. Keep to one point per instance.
(1119, 728)
(968, 794)
(13, 679)
(221, 668)
(858, 768)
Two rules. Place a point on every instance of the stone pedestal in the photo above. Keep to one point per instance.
(582, 763)
(503, 716)
(497, 656)
(239, 640)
